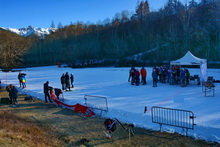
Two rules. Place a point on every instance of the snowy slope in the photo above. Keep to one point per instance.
(127, 102)
(40, 32)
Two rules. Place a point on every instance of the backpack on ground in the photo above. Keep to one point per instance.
(28, 98)
(5, 101)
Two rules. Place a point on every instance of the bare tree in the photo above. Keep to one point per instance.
(12, 48)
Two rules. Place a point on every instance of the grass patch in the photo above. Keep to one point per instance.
(20, 132)
(36, 124)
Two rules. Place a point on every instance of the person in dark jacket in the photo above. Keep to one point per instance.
(187, 76)
(67, 81)
(63, 82)
(155, 78)
(12, 93)
(182, 77)
(19, 78)
(71, 80)
(131, 75)
(137, 77)
(46, 91)
(58, 92)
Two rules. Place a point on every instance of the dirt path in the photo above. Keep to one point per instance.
(71, 127)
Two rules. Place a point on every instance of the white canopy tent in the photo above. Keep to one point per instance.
(190, 59)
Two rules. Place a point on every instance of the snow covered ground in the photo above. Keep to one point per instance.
(127, 102)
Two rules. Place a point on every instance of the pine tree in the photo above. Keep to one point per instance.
(52, 24)
(139, 11)
(146, 8)
(192, 3)
(60, 25)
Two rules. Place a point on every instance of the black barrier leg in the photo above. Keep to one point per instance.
(160, 127)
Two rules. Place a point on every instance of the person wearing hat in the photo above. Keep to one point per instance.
(12, 93)
(46, 92)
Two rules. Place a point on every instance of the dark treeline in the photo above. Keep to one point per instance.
(170, 31)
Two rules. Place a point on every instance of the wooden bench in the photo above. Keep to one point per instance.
(209, 87)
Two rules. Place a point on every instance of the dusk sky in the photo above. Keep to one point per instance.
(40, 13)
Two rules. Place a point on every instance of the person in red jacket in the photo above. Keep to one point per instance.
(137, 77)
(143, 76)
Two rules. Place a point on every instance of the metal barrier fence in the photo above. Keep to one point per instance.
(173, 117)
(96, 102)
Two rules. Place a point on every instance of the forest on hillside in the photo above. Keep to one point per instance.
(161, 36)
(12, 49)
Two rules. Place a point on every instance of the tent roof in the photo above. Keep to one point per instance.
(188, 59)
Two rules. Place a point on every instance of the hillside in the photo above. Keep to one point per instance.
(173, 30)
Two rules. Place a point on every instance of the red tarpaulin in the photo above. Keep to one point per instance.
(86, 111)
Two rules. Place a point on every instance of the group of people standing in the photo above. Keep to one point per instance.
(67, 81)
(134, 76)
(13, 92)
(172, 75)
